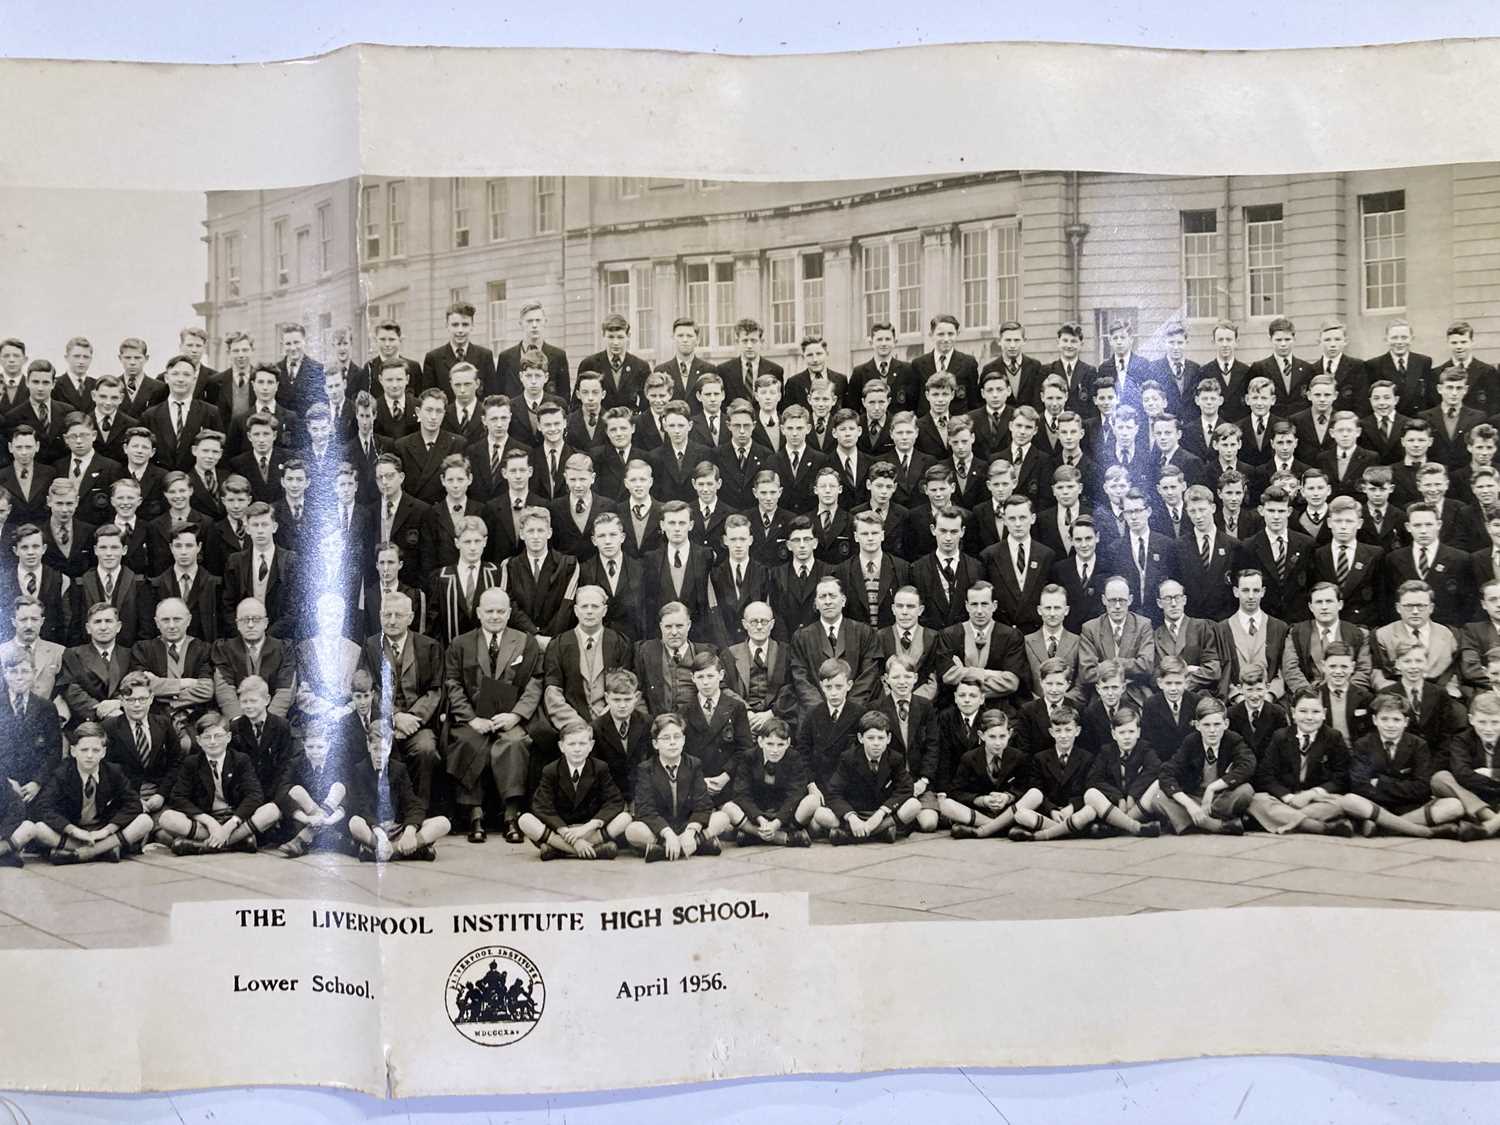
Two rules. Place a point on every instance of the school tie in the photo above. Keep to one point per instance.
(1140, 555)
(31, 584)
(578, 507)
(1278, 552)
(903, 708)
(174, 654)
(1416, 701)
(265, 466)
(142, 743)
(884, 369)
(624, 725)
(950, 572)
(676, 560)
(1341, 571)
(1051, 647)
(90, 787)
(1251, 628)
(1020, 561)
(217, 767)
(256, 729)
(906, 638)
(552, 460)
(611, 567)
(177, 419)
(494, 461)
(263, 570)
(739, 577)
(469, 580)
(494, 654)
(833, 638)
(109, 587)
(1203, 549)
(1424, 561)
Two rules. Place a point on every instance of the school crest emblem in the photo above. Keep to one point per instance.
(495, 996)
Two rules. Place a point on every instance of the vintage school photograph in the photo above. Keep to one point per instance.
(1003, 545)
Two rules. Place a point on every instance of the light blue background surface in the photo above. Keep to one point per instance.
(1285, 1091)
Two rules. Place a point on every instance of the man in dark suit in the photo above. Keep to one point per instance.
(267, 573)
(758, 669)
(406, 669)
(388, 350)
(1355, 568)
(833, 635)
(623, 373)
(1143, 557)
(180, 666)
(110, 583)
(985, 651)
(740, 460)
(92, 671)
(945, 356)
(1018, 567)
(507, 365)
(943, 577)
(493, 675)
(1444, 569)
(1288, 374)
(187, 580)
(438, 364)
(1023, 374)
(1411, 372)
(1284, 556)
(465, 413)
(1175, 373)
(872, 575)
(677, 571)
(1207, 559)
(38, 411)
(1451, 421)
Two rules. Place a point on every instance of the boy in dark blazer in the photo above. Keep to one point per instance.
(771, 799)
(622, 735)
(387, 818)
(870, 792)
(827, 731)
(577, 810)
(15, 830)
(1054, 805)
(1206, 783)
(266, 740)
(988, 781)
(88, 809)
(217, 803)
(31, 741)
(1124, 788)
(716, 726)
(914, 735)
(144, 745)
(1301, 775)
(674, 816)
(1390, 780)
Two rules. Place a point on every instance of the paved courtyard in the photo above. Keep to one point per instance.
(99, 905)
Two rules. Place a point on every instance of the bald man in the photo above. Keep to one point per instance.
(493, 675)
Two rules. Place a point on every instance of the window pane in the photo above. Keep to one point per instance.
(1008, 272)
(875, 269)
(495, 304)
(723, 322)
(1200, 281)
(547, 204)
(974, 267)
(697, 292)
(325, 238)
(812, 293)
(1263, 260)
(909, 286)
(783, 301)
(1383, 237)
(460, 215)
(617, 293)
(279, 241)
(495, 203)
(395, 200)
(645, 308)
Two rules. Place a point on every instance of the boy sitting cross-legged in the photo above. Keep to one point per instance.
(771, 801)
(387, 820)
(1302, 774)
(1054, 806)
(577, 810)
(987, 782)
(217, 803)
(1390, 780)
(88, 808)
(871, 788)
(314, 803)
(674, 817)
(1123, 787)
(1473, 774)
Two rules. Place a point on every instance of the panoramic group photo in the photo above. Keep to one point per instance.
(1003, 545)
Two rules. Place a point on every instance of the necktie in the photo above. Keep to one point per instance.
(676, 560)
(578, 507)
(263, 570)
(1020, 559)
(1424, 560)
(611, 567)
(265, 466)
(1341, 571)
(1051, 647)
(31, 583)
(494, 654)
(469, 580)
(576, 775)
(173, 652)
(950, 572)
(827, 519)
(833, 638)
(802, 574)
(870, 570)
(1251, 627)
(884, 369)
(903, 708)
(109, 587)
(624, 725)
(1140, 556)
(1203, 551)
(90, 788)
(1416, 701)
(739, 576)
(552, 460)
(943, 363)
(45, 417)
(494, 460)
(1278, 546)
(906, 638)
(1085, 572)
(760, 658)
(255, 729)
(218, 766)
(640, 512)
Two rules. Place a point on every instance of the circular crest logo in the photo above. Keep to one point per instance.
(495, 996)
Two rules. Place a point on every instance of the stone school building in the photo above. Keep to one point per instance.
(832, 258)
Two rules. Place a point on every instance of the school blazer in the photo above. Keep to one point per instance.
(1276, 633)
(377, 800)
(919, 743)
(972, 778)
(1183, 771)
(438, 364)
(174, 451)
(625, 613)
(781, 698)
(30, 744)
(63, 611)
(284, 596)
(425, 658)
(193, 791)
(687, 389)
(1448, 577)
(1286, 598)
(1474, 640)
(1257, 735)
(657, 589)
(658, 807)
(86, 680)
(1016, 602)
(1163, 733)
(273, 756)
(439, 531)
(628, 388)
(116, 801)
(1357, 712)
(719, 739)
(739, 377)
(501, 514)
(939, 608)
(1061, 785)
(622, 756)
(1363, 588)
(822, 740)
(1130, 775)
(1402, 778)
(485, 485)
(543, 603)
(560, 802)
(893, 573)
(769, 789)
(1465, 758)
(858, 646)
(28, 506)
(1386, 447)
(1350, 483)
(737, 490)
(854, 787)
(1278, 771)
(726, 604)
(423, 467)
(1208, 588)
(965, 371)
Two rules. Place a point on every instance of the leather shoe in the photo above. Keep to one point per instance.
(1020, 835)
(477, 834)
(1339, 828)
(798, 839)
(1150, 829)
(1233, 827)
(707, 846)
(653, 853)
(63, 857)
(513, 833)
(887, 835)
(838, 837)
(963, 832)
(606, 850)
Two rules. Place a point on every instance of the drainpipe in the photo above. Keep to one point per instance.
(1076, 231)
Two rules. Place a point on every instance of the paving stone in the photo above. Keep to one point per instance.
(1181, 894)
(63, 919)
(827, 912)
(1387, 887)
(1207, 868)
(1334, 854)
(1025, 908)
(1299, 898)
(28, 937)
(911, 896)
